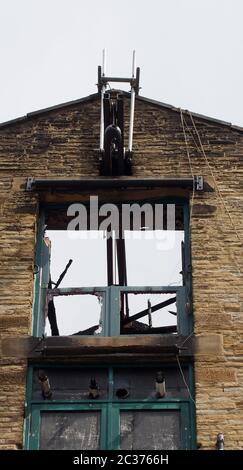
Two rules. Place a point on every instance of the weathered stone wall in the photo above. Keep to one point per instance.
(61, 143)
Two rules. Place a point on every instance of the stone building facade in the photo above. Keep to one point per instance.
(60, 142)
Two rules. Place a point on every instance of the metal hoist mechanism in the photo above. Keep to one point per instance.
(115, 159)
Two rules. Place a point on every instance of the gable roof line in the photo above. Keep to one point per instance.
(94, 96)
(50, 108)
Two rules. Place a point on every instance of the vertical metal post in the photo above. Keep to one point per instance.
(103, 62)
(132, 105)
(102, 102)
(133, 63)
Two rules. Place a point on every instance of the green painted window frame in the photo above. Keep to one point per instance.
(114, 417)
(110, 420)
(110, 408)
(34, 434)
(111, 295)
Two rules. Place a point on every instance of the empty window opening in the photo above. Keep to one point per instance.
(77, 315)
(154, 258)
(148, 313)
(87, 249)
(140, 253)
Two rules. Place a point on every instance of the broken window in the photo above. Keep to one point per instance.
(77, 314)
(148, 313)
(142, 266)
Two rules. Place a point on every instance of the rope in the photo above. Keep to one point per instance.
(190, 163)
(201, 149)
(191, 133)
(215, 181)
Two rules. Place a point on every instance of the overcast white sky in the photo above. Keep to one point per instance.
(189, 51)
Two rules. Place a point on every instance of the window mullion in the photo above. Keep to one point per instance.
(114, 311)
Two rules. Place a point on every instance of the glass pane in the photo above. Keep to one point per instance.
(150, 429)
(64, 430)
(72, 383)
(158, 319)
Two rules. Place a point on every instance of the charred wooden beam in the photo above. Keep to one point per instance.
(151, 310)
(30, 347)
(134, 329)
(52, 318)
(51, 313)
(56, 284)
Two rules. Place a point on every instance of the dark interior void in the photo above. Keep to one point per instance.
(150, 429)
(70, 430)
(138, 383)
(57, 218)
(72, 383)
(137, 254)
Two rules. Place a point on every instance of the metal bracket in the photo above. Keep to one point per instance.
(199, 183)
(29, 184)
(36, 269)
(220, 441)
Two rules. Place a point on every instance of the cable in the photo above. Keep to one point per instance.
(184, 380)
(187, 338)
